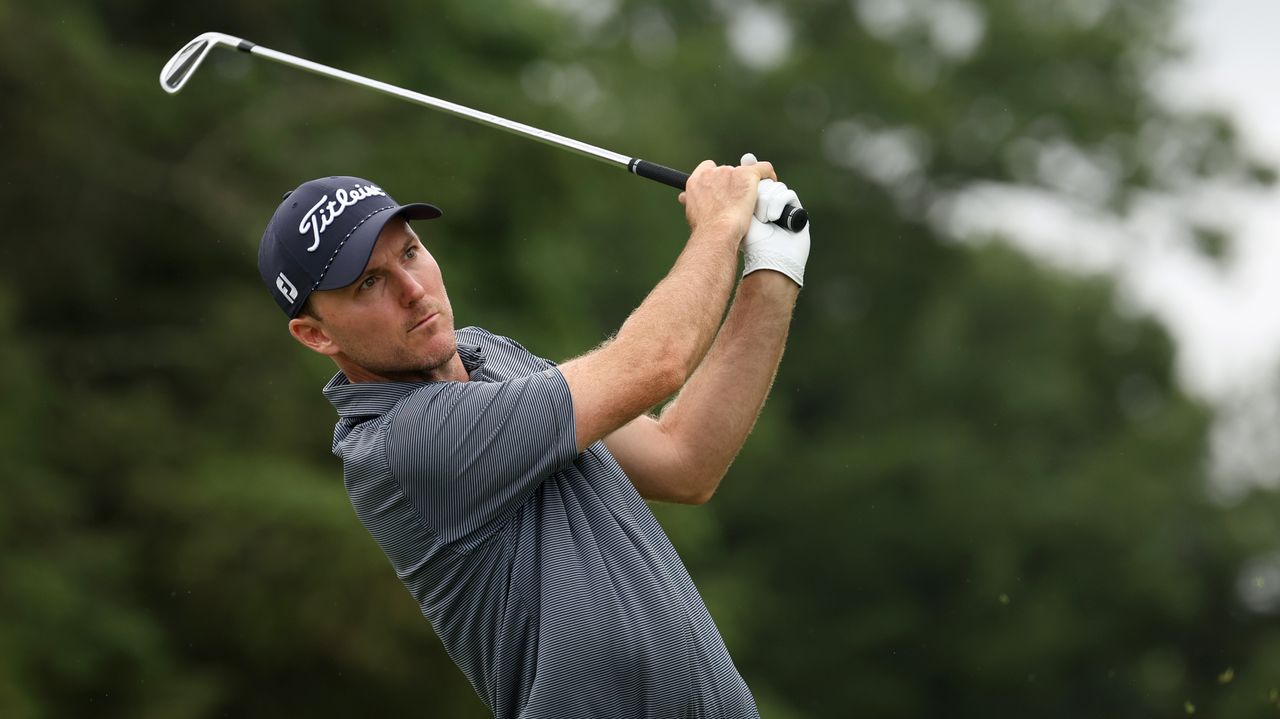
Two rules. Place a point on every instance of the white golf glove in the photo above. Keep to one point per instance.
(767, 246)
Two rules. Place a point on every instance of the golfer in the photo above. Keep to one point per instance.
(508, 491)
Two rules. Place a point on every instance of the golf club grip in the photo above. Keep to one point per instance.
(793, 218)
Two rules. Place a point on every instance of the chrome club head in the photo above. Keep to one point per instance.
(183, 64)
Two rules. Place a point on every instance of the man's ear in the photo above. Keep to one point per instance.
(312, 335)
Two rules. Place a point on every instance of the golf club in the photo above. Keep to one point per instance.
(183, 64)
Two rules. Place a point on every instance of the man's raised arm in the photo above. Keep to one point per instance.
(681, 456)
(665, 338)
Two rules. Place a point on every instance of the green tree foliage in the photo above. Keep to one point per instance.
(977, 490)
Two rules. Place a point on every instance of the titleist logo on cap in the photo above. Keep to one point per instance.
(323, 213)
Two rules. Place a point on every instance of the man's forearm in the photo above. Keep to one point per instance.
(680, 315)
(659, 345)
(714, 413)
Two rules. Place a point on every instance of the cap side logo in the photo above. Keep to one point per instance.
(286, 288)
(323, 213)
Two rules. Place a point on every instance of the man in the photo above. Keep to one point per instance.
(508, 492)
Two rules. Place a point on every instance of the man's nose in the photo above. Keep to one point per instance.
(411, 290)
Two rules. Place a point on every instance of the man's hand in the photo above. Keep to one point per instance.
(723, 195)
(768, 246)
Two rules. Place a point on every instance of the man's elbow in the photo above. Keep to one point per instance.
(699, 498)
(701, 492)
(683, 491)
(670, 370)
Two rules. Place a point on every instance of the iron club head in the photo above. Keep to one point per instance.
(184, 62)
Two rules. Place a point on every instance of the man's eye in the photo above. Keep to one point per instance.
(368, 282)
(411, 253)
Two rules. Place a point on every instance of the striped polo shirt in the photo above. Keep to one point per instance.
(542, 570)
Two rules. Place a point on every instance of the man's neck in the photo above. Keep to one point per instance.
(451, 371)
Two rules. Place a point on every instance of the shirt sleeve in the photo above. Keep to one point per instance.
(467, 453)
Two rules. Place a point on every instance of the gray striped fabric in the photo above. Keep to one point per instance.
(542, 570)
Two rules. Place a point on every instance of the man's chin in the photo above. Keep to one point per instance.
(438, 357)
(442, 349)
(433, 365)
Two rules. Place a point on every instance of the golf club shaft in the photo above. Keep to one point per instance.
(793, 217)
(534, 133)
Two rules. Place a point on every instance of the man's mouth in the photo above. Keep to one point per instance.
(424, 321)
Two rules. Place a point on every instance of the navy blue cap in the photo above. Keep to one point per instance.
(322, 234)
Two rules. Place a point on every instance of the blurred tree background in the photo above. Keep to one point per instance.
(977, 490)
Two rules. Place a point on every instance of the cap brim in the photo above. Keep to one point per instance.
(354, 254)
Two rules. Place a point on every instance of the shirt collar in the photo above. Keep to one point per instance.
(472, 355)
(365, 399)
